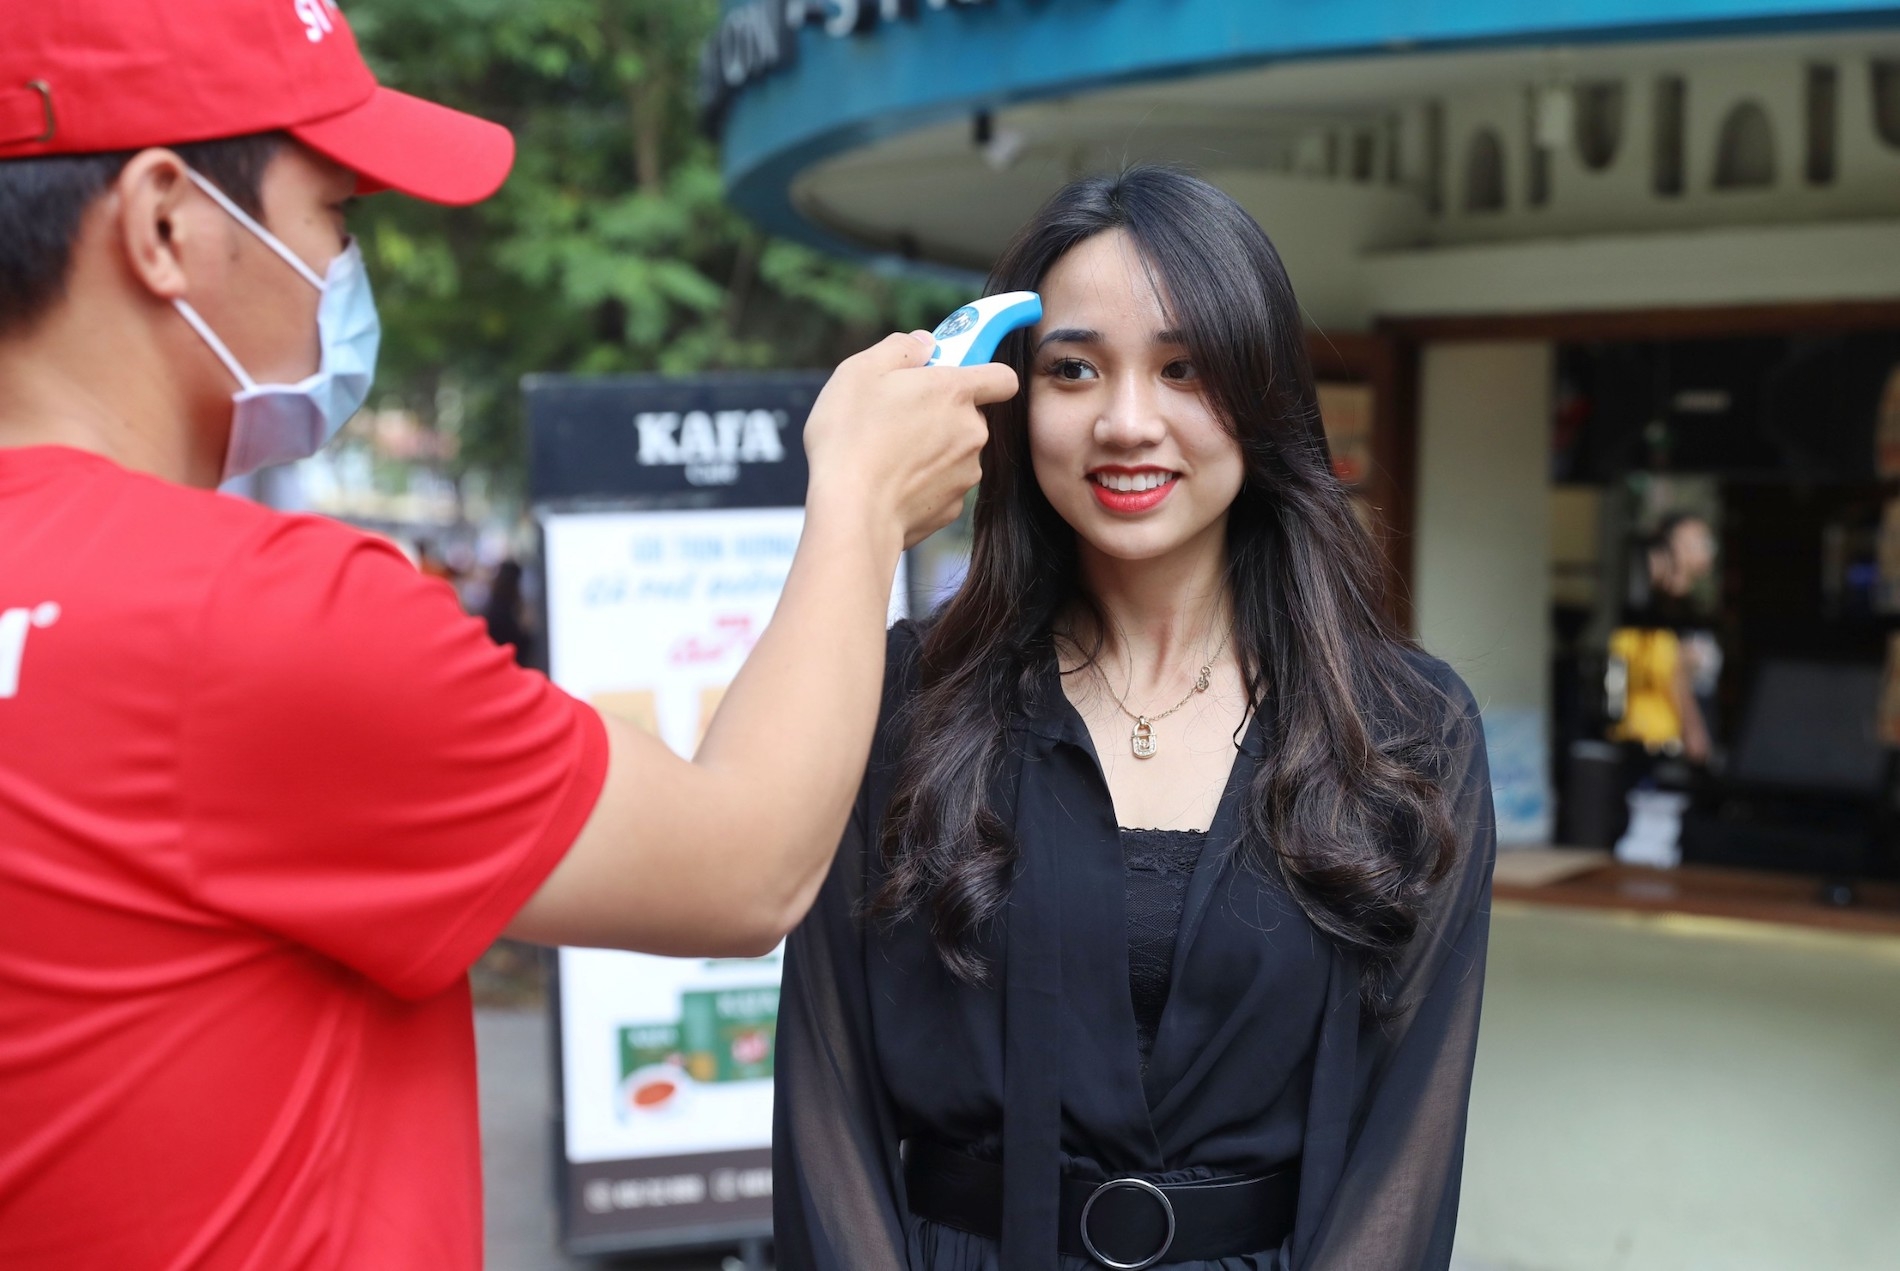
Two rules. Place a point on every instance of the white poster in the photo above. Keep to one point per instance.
(650, 614)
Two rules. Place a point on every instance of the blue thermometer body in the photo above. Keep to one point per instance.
(969, 336)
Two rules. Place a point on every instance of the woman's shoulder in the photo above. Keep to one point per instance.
(906, 634)
(1438, 673)
(1447, 701)
(903, 653)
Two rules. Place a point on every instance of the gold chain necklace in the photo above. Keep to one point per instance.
(1141, 738)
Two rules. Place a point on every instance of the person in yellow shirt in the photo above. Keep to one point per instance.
(1653, 668)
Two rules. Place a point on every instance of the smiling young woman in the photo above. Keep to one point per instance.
(1157, 936)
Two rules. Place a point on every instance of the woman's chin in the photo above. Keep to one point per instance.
(1135, 544)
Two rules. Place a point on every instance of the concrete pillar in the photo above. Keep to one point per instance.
(1481, 563)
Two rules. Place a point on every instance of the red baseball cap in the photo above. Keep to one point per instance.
(81, 76)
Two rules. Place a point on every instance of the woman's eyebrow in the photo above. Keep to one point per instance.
(1070, 335)
(1173, 335)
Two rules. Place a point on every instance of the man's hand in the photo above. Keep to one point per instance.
(901, 440)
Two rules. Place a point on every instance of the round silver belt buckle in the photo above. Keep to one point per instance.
(1133, 1184)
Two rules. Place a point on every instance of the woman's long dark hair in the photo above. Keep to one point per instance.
(1347, 803)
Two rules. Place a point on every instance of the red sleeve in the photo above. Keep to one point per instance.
(363, 771)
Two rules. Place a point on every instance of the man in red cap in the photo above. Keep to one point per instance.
(265, 793)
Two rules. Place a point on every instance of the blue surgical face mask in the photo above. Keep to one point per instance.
(276, 423)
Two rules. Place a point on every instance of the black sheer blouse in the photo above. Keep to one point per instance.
(1260, 1055)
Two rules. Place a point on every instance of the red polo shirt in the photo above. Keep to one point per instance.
(265, 794)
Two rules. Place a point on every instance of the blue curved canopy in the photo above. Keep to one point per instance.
(929, 63)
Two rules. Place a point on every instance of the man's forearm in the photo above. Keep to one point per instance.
(792, 734)
(721, 856)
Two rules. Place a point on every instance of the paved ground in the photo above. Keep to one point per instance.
(512, 1043)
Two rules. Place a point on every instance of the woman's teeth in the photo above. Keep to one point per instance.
(1131, 482)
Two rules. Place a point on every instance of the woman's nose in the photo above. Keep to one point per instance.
(1129, 417)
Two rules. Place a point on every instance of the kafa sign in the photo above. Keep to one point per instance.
(710, 446)
(731, 440)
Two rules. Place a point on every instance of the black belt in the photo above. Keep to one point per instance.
(1124, 1224)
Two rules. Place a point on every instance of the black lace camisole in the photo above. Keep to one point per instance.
(1157, 865)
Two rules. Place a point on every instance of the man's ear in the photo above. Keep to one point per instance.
(155, 220)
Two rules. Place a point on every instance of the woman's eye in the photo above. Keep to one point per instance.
(1072, 369)
(1181, 370)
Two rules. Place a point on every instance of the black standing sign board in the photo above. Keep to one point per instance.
(653, 444)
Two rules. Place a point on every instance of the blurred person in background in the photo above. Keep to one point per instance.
(505, 613)
(432, 563)
(1660, 682)
(265, 791)
(1664, 660)
(1158, 931)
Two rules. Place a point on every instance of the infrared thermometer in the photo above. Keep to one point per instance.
(969, 336)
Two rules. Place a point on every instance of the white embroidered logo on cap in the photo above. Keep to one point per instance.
(317, 21)
(14, 625)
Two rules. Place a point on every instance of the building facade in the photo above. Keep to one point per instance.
(1460, 192)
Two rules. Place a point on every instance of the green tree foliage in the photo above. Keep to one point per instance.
(611, 247)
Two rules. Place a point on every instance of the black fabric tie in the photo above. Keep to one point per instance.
(1032, 1034)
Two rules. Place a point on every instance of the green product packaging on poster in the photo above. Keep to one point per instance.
(643, 1045)
(729, 1034)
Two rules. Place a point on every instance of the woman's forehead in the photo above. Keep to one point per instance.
(1105, 284)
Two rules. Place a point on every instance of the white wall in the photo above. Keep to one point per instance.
(1683, 1094)
(1481, 558)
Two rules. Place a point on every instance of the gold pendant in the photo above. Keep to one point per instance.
(1142, 738)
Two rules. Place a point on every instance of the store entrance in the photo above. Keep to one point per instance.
(1726, 598)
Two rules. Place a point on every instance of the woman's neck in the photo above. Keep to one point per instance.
(1164, 613)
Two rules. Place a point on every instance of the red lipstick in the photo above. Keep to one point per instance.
(1131, 502)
